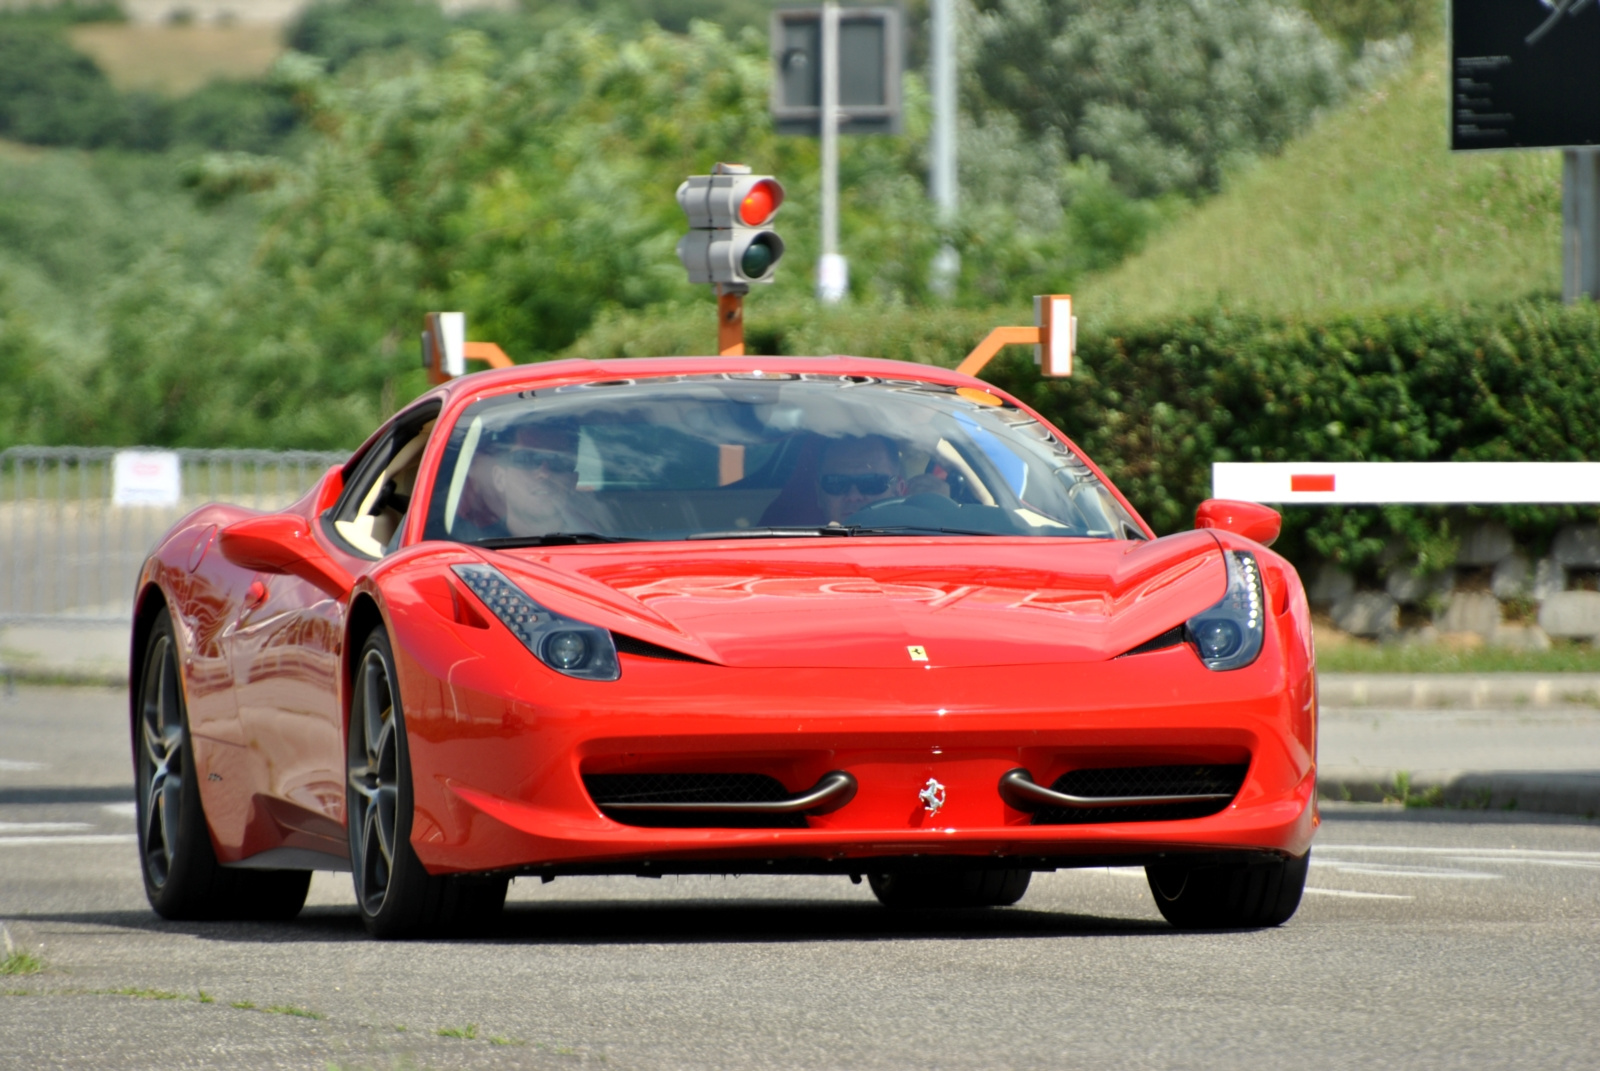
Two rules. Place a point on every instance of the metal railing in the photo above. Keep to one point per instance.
(69, 553)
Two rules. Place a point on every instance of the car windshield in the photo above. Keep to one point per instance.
(756, 455)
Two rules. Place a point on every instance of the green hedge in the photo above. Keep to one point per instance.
(1156, 404)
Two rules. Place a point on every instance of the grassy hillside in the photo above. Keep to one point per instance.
(75, 226)
(1368, 210)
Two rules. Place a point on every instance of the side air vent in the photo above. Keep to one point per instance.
(714, 800)
(1170, 638)
(643, 649)
(1153, 794)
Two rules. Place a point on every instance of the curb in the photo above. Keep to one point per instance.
(1570, 792)
(1433, 691)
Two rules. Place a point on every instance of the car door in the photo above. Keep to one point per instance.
(289, 642)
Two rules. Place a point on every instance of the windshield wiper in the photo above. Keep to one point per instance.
(838, 530)
(549, 539)
(776, 532)
(897, 529)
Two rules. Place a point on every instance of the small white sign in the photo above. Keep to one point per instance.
(146, 478)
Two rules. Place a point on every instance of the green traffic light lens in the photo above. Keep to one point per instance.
(758, 259)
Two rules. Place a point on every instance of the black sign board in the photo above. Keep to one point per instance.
(1524, 74)
(870, 53)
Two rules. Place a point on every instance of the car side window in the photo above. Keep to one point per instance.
(372, 510)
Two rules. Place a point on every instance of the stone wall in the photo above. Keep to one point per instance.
(1496, 592)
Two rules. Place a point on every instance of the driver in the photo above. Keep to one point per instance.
(855, 472)
(538, 478)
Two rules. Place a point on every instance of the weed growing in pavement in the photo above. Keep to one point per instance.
(20, 962)
(144, 994)
(469, 1032)
(204, 997)
(1432, 796)
(243, 1005)
(290, 1009)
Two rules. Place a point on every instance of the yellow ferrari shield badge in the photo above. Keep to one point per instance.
(918, 654)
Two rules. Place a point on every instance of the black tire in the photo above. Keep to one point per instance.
(395, 894)
(950, 889)
(182, 878)
(1229, 896)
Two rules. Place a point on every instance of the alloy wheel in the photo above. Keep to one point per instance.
(374, 784)
(161, 765)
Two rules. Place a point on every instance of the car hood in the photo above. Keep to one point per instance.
(880, 603)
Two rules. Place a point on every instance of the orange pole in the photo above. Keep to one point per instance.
(730, 325)
(488, 352)
(1000, 336)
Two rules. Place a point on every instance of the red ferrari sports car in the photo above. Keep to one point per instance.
(719, 615)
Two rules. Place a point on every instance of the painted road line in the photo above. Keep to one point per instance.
(1508, 854)
(15, 766)
(1389, 870)
(122, 810)
(83, 838)
(1353, 895)
(1380, 482)
(42, 827)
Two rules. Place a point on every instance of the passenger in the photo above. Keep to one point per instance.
(538, 478)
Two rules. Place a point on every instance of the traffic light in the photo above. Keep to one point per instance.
(730, 241)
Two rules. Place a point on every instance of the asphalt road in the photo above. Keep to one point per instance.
(1427, 939)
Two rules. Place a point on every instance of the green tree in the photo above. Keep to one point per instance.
(1169, 94)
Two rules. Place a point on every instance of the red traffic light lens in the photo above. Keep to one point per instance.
(760, 203)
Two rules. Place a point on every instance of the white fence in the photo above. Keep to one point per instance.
(70, 551)
(1414, 482)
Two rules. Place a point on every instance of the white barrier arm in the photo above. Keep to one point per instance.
(1408, 482)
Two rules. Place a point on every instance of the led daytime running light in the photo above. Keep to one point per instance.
(566, 646)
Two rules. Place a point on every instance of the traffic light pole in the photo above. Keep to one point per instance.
(832, 277)
(730, 320)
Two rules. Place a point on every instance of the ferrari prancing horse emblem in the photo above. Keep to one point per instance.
(932, 796)
(918, 654)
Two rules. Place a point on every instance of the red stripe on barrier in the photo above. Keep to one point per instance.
(1311, 483)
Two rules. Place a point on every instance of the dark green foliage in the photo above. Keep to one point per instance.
(51, 94)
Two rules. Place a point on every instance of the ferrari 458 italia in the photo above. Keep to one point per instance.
(719, 615)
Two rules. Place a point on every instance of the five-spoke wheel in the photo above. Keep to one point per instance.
(182, 877)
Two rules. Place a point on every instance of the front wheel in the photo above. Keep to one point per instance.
(182, 878)
(951, 889)
(396, 895)
(1230, 895)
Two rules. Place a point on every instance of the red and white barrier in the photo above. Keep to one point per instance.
(1410, 482)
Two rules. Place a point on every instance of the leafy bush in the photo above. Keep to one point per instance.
(51, 94)
(1356, 22)
(1169, 94)
(1158, 404)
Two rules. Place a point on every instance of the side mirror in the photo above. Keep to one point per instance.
(1249, 519)
(282, 543)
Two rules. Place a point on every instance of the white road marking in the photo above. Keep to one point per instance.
(83, 838)
(1580, 864)
(1387, 870)
(1353, 895)
(122, 810)
(1505, 853)
(17, 766)
(41, 827)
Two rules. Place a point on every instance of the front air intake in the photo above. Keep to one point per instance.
(1126, 793)
(714, 800)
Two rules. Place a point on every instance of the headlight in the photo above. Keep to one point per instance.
(566, 646)
(1229, 634)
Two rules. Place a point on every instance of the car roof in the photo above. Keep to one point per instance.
(578, 370)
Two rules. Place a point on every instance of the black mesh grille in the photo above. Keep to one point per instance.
(1144, 781)
(692, 788)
